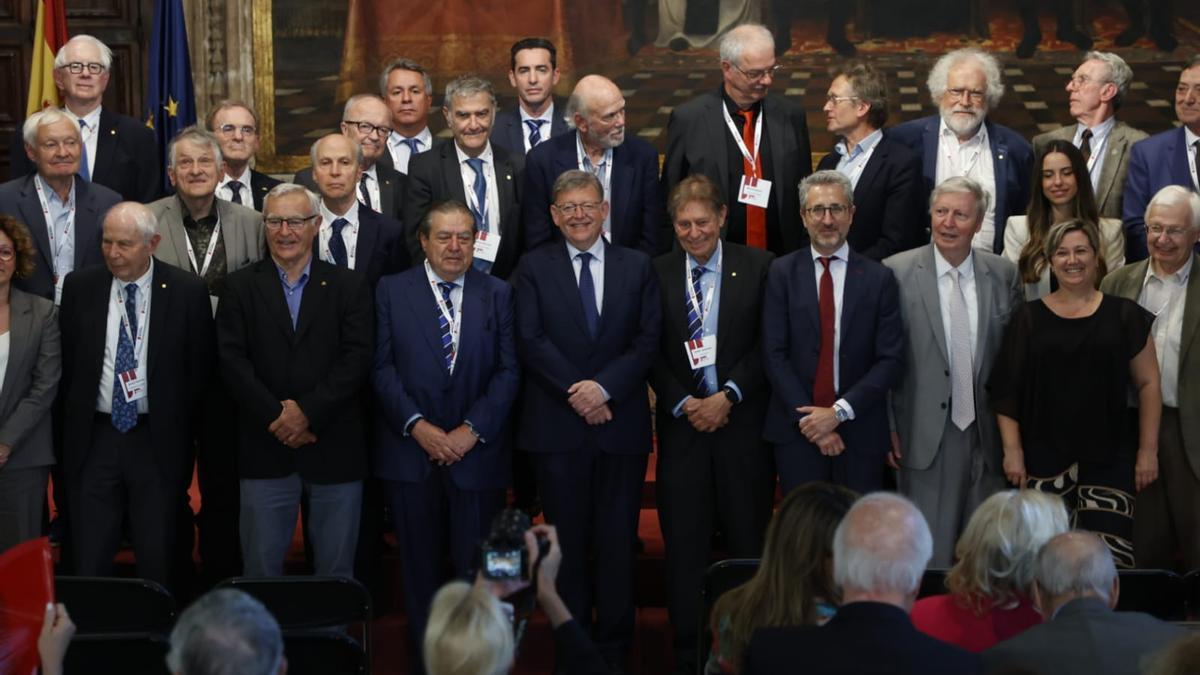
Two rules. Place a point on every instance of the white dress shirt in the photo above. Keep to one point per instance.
(596, 267)
(1190, 138)
(489, 174)
(4, 347)
(400, 151)
(973, 159)
(1098, 146)
(90, 133)
(837, 270)
(966, 281)
(372, 179)
(141, 351)
(1165, 296)
(544, 130)
(223, 191)
(349, 233)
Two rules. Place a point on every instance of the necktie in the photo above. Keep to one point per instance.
(962, 393)
(364, 193)
(1085, 145)
(235, 188)
(84, 172)
(823, 393)
(444, 325)
(124, 413)
(414, 146)
(337, 245)
(1196, 148)
(479, 208)
(535, 131)
(587, 294)
(756, 216)
(696, 326)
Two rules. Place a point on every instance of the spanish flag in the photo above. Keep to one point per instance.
(50, 34)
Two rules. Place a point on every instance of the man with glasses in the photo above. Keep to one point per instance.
(765, 151)
(117, 151)
(235, 124)
(960, 141)
(833, 345)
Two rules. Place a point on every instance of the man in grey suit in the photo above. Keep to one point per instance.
(954, 303)
(1096, 90)
(1168, 510)
(1076, 588)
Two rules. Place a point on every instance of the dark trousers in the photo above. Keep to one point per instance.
(1167, 518)
(216, 471)
(859, 467)
(22, 498)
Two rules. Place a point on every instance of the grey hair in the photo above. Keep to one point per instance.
(284, 189)
(358, 154)
(198, 135)
(139, 215)
(402, 63)
(574, 179)
(734, 43)
(60, 59)
(1119, 72)
(1075, 564)
(988, 63)
(42, 118)
(356, 99)
(466, 86)
(826, 177)
(962, 185)
(1177, 195)
(882, 544)
(225, 632)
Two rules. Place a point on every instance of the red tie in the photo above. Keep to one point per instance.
(756, 216)
(823, 395)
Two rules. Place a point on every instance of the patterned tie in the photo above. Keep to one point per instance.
(962, 393)
(337, 245)
(696, 327)
(124, 413)
(756, 216)
(1085, 145)
(84, 172)
(479, 209)
(587, 294)
(235, 187)
(823, 392)
(364, 193)
(535, 132)
(444, 325)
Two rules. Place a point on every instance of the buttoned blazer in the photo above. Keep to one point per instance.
(31, 379)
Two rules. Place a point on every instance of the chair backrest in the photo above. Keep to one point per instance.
(720, 577)
(100, 605)
(1160, 593)
(1191, 582)
(125, 653)
(323, 653)
(933, 582)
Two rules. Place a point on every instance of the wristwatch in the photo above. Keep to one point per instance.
(730, 393)
(840, 413)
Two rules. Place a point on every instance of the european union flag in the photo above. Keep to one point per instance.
(171, 103)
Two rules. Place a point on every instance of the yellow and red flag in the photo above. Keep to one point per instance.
(49, 35)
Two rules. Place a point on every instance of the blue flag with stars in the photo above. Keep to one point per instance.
(171, 102)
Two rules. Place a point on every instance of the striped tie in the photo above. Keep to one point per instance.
(696, 326)
(444, 325)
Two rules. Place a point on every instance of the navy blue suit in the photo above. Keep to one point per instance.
(380, 248)
(637, 204)
(1012, 165)
(870, 359)
(590, 477)
(509, 131)
(1154, 163)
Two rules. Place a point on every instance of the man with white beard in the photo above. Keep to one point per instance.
(961, 141)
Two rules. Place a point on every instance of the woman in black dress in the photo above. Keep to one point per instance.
(1061, 389)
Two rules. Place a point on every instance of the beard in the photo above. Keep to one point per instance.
(960, 124)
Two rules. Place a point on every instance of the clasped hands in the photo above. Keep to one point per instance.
(291, 427)
(818, 427)
(587, 399)
(444, 448)
(709, 413)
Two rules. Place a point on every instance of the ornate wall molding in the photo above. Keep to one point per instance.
(221, 44)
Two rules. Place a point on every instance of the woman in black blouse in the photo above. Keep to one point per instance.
(1061, 390)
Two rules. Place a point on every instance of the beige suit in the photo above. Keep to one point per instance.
(1016, 235)
(1111, 186)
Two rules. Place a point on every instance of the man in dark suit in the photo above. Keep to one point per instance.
(235, 124)
(1076, 588)
(833, 344)
(626, 167)
(117, 151)
(408, 91)
(62, 212)
(754, 147)
(381, 188)
(446, 376)
(533, 73)
(1167, 158)
(588, 326)
(713, 467)
(880, 551)
(960, 141)
(889, 205)
(472, 171)
(295, 337)
(138, 337)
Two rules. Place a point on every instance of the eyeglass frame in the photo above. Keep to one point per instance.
(370, 128)
(758, 75)
(290, 222)
(77, 67)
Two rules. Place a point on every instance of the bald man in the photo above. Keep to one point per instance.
(627, 169)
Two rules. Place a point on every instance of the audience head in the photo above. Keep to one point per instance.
(857, 100)
(16, 250)
(226, 631)
(468, 633)
(956, 209)
(698, 213)
(470, 109)
(367, 121)
(337, 164)
(194, 163)
(966, 84)
(408, 91)
(748, 64)
(827, 208)
(597, 110)
(1074, 565)
(1073, 249)
(996, 551)
(81, 69)
(880, 550)
(578, 208)
(1187, 95)
(447, 235)
(1062, 189)
(235, 124)
(291, 217)
(53, 144)
(1097, 87)
(1181, 658)
(130, 237)
(533, 71)
(1172, 227)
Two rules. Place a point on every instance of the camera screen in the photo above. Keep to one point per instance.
(504, 564)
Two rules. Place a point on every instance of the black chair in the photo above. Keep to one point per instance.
(720, 577)
(1191, 582)
(933, 583)
(1160, 593)
(102, 605)
(323, 652)
(126, 653)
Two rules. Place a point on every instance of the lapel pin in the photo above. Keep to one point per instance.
(322, 283)
(164, 284)
(112, 132)
(733, 274)
(1000, 156)
(507, 177)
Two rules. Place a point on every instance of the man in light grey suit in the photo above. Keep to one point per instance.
(954, 303)
(1096, 90)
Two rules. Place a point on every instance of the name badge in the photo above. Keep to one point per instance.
(702, 352)
(487, 245)
(755, 191)
(132, 386)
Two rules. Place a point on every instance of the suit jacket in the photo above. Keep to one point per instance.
(556, 351)
(410, 377)
(1085, 637)
(1111, 187)
(180, 359)
(696, 143)
(636, 203)
(380, 249)
(260, 185)
(323, 364)
(871, 354)
(889, 208)
(127, 160)
(508, 131)
(18, 198)
(1154, 163)
(1127, 282)
(919, 403)
(435, 175)
(1012, 165)
(864, 638)
(30, 380)
(392, 186)
(241, 228)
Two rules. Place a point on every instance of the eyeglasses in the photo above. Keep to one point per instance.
(7, 254)
(228, 129)
(972, 95)
(1172, 232)
(835, 210)
(1080, 80)
(755, 75)
(834, 99)
(274, 223)
(366, 128)
(589, 208)
(77, 68)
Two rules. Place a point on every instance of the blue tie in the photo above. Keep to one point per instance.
(479, 210)
(535, 132)
(337, 245)
(235, 189)
(84, 173)
(364, 192)
(124, 413)
(444, 325)
(587, 294)
(412, 144)
(696, 326)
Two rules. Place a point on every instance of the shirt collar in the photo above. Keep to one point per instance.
(52, 196)
(486, 155)
(188, 221)
(980, 136)
(733, 108)
(328, 216)
(370, 173)
(843, 253)
(864, 146)
(1181, 275)
(142, 282)
(1099, 131)
(966, 269)
(436, 279)
(597, 250)
(396, 139)
(303, 275)
(548, 115)
(1190, 136)
(244, 179)
(92, 119)
(583, 155)
(714, 261)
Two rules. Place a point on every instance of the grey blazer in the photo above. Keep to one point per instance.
(30, 380)
(919, 403)
(241, 228)
(1111, 186)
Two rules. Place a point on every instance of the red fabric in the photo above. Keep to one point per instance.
(945, 618)
(26, 587)
(756, 216)
(823, 394)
